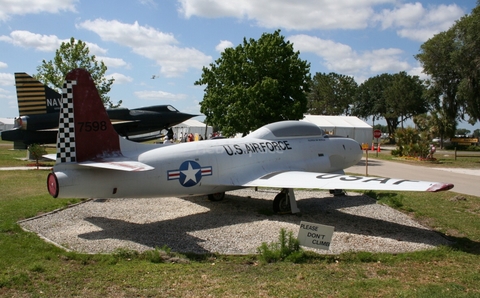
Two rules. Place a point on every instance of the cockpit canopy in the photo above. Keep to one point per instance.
(284, 129)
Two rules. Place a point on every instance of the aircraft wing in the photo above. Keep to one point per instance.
(297, 179)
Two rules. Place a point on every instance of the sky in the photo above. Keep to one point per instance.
(156, 49)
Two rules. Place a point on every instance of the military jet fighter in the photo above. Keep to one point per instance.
(39, 105)
(93, 161)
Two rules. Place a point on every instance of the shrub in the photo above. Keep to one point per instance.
(36, 151)
(411, 143)
(286, 249)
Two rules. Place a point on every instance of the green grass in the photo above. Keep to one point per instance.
(31, 267)
(17, 158)
(444, 158)
(456, 216)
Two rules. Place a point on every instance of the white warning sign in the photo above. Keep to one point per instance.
(315, 235)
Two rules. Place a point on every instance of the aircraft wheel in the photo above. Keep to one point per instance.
(281, 203)
(215, 197)
(337, 192)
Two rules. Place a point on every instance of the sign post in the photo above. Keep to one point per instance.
(377, 133)
(365, 147)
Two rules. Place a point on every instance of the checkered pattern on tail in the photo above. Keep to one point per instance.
(66, 126)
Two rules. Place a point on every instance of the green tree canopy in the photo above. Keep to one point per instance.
(452, 60)
(394, 97)
(436, 55)
(434, 124)
(370, 100)
(258, 82)
(331, 94)
(467, 33)
(71, 55)
(405, 97)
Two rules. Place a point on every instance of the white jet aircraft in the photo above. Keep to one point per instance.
(92, 160)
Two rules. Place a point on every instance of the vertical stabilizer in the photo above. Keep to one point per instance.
(85, 132)
(34, 97)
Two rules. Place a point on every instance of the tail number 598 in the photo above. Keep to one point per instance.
(90, 126)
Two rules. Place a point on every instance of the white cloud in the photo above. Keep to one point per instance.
(94, 48)
(148, 3)
(297, 15)
(26, 39)
(119, 78)
(413, 21)
(418, 71)
(7, 79)
(150, 43)
(160, 95)
(403, 16)
(113, 62)
(223, 45)
(44, 43)
(8, 100)
(385, 60)
(23, 7)
(343, 59)
(3, 64)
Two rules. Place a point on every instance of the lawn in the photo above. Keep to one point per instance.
(442, 158)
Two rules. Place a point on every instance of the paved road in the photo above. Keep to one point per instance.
(23, 168)
(465, 181)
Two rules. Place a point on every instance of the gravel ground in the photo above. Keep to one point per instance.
(236, 225)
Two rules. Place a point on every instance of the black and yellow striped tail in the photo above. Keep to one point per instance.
(34, 97)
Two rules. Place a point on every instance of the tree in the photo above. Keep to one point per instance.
(255, 83)
(462, 132)
(36, 151)
(436, 58)
(380, 127)
(394, 97)
(467, 58)
(405, 97)
(370, 100)
(331, 94)
(434, 124)
(452, 60)
(476, 133)
(73, 55)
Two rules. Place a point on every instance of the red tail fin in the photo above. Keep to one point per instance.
(85, 131)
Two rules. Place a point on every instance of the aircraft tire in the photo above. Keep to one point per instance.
(281, 204)
(216, 197)
(337, 192)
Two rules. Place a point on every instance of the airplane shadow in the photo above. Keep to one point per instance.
(176, 233)
(371, 163)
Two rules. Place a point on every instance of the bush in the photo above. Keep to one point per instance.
(36, 151)
(286, 249)
(411, 143)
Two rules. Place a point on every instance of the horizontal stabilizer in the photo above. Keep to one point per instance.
(118, 164)
(52, 156)
(296, 179)
(115, 122)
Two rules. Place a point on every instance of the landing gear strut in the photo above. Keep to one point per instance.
(285, 202)
(215, 197)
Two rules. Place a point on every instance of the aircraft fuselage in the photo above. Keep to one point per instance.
(208, 167)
